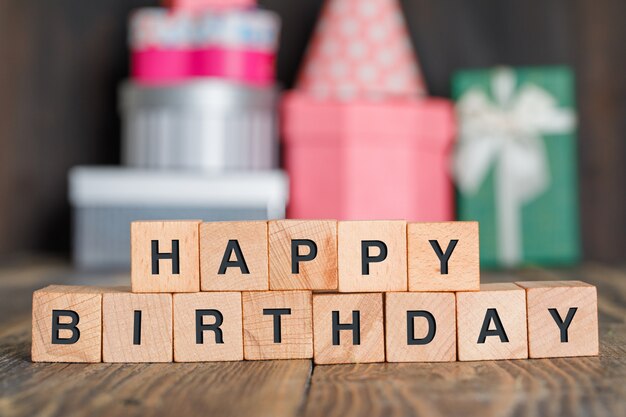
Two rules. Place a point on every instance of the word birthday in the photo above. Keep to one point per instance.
(337, 292)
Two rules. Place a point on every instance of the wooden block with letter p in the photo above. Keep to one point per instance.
(233, 256)
(372, 256)
(208, 327)
(348, 328)
(443, 256)
(165, 256)
(491, 323)
(303, 254)
(562, 318)
(277, 325)
(136, 327)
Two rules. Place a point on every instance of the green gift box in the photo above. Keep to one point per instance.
(515, 163)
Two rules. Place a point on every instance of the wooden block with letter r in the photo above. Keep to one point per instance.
(443, 256)
(562, 318)
(165, 256)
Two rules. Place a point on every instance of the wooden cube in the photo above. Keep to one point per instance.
(277, 325)
(303, 254)
(233, 256)
(348, 328)
(443, 256)
(208, 327)
(165, 256)
(562, 318)
(372, 256)
(420, 327)
(67, 324)
(136, 327)
(491, 323)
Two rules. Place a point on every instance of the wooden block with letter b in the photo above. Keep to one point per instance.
(233, 256)
(420, 327)
(277, 325)
(165, 256)
(208, 327)
(562, 318)
(136, 327)
(491, 323)
(443, 256)
(348, 328)
(372, 256)
(303, 254)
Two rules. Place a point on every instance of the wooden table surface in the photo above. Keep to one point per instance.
(547, 387)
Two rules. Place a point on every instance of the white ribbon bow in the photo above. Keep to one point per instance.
(507, 132)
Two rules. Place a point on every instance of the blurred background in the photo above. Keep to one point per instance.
(61, 105)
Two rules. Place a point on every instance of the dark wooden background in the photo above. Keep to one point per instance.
(61, 62)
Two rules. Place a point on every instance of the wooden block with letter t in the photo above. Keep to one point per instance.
(372, 256)
(562, 318)
(420, 327)
(165, 256)
(136, 327)
(491, 323)
(233, 256)
(303, 254)
(348, 328)
(277, 325)
(208, 327)
(443, 256)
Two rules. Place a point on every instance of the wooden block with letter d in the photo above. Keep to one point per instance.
(491, 323)
(208, 327)
(303, 254)
(233, 256)
(136, 327)
(165, 256)
(420, 327)
(372, 256)
(562, 318)
(443, 256)
(277, 325)
(348, 328)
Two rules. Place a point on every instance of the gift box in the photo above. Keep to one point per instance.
(515, 163)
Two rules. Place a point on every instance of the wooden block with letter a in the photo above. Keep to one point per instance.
(277, 325)
(303, 254)
(348, 328)
(208, 327)
(372, 256)
(165, 256)
(233, 256)
(420, 327)
(443, 256)
(491, 323)
(562, 318)
(136, 327)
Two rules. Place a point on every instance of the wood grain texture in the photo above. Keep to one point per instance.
(251, 240)
(319, 273)
(185, 233)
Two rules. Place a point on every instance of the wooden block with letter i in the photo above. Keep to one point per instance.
(491, 323)
(303, 254)
(443, 256)
(420, 327)
(165, 256)
(136, 327)
(562, 318)
(233, 256)
(208, 327)
(348, 328)
(372, 256)
(277, 325)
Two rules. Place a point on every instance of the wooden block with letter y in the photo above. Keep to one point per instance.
(443, 256)
(562, 318)
(165, 256)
